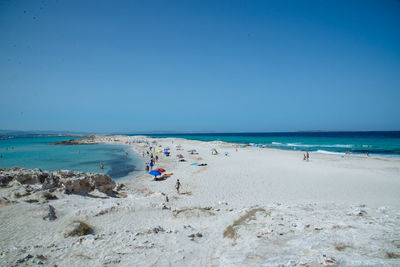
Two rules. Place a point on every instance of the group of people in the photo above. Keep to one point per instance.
(306, 156)
(153, 160)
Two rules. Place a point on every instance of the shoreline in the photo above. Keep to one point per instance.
(298, 145)
(139, 170)
(357, 161)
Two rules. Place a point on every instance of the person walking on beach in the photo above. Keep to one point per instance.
(147, 167)
(308, 156)
(156, 158)
(178, 186)
(151, 165)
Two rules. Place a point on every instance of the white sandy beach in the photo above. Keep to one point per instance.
(254, 207)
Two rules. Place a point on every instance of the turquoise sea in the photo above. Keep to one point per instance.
(385, 144)
(35, 152)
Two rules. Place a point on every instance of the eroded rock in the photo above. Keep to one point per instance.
(70, 181)
(51, 215)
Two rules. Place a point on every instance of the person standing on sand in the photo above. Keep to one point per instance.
(151, 165)
(147, 167)
(178, 186)
(308, 156)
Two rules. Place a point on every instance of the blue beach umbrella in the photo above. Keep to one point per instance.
(155, 173)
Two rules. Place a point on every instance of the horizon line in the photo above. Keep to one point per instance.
(53, 132)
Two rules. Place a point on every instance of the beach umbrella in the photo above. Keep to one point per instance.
(166, 152)
(180, 156)
(160, 170)
(155, 172)
(159, 150)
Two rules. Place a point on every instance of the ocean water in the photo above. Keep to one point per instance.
(376, 143)
(35, 152)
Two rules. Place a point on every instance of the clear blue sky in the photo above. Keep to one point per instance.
(199, 65)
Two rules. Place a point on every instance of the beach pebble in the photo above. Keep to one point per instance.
(111, 259)
(24, 259)
(357, 212)
(329, 260)
(158, 229)
(37, 261)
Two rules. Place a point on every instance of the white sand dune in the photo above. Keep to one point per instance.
(254, 207)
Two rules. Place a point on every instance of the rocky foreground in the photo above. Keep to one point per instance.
(69, 182)
(65, 218)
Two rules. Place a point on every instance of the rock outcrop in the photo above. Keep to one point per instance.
(89, 140)
(51, 216)
(72, 182)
